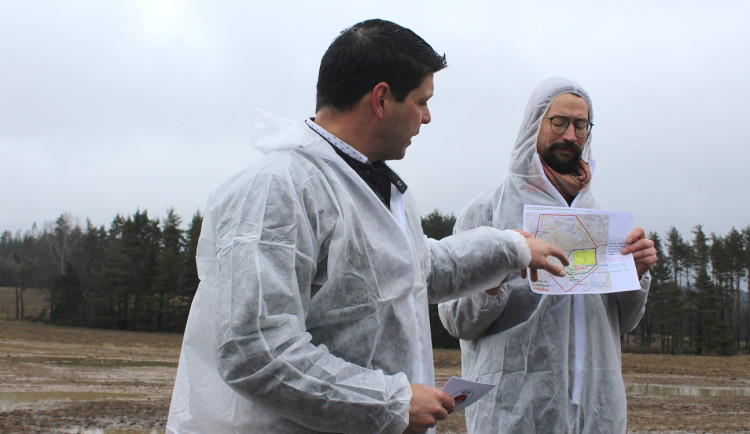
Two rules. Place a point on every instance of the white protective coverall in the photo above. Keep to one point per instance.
(554, 358)
(311, 314)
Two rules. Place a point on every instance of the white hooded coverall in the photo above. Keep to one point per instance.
(554, 358)
(311, 314)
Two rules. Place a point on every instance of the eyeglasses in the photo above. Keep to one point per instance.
(559, 125)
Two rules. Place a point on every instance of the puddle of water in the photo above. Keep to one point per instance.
(662, 390)
(9, 400)
(79, 361)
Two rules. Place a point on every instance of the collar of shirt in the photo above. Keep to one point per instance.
(338, 143)
(373, 173)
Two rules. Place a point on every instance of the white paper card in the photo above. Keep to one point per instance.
(465, 392)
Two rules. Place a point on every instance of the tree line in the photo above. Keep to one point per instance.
(140, 274)
(696, 303)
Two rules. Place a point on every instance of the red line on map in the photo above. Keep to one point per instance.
(536, 233)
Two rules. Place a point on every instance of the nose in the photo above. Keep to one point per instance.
(570, 133)
(426, 116)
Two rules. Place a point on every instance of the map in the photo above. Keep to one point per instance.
(592, 240)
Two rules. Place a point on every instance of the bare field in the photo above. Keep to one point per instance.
(71, 380)
(35, 303)
(653, 406)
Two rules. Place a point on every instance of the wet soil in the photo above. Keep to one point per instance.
(84, 381)
(657, 413)
(108, 381)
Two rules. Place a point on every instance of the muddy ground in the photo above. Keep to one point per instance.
(654, 411)
(68, 380)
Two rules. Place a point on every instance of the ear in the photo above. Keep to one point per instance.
(378, 97)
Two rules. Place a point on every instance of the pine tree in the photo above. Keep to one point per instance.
(7, 268)
(169, 269)
(656, 303)
(723, 275)
(711, 332)
(438, 226)
(676, 322)
(68, 297)
(746, 260)
(88, 263)
(109, 292)
(680, 257)
(25, 263)
(141, 237)
(190, 281)
(734, 247)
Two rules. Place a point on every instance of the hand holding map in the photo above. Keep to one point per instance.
(592, 240)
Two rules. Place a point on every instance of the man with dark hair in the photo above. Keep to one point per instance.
(554, 358)
(386, 52)
(311, 314)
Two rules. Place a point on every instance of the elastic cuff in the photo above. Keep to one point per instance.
(522, 248)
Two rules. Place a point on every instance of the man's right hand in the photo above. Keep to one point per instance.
(540, 250)
(428, 405)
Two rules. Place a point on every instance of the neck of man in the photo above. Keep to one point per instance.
(353, 127)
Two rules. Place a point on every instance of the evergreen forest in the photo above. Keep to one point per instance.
(139, 274)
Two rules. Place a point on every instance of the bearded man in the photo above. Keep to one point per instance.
(554, 358)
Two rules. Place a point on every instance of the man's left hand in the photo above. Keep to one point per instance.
(642, 249)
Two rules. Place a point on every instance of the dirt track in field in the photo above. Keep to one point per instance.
(110, 381)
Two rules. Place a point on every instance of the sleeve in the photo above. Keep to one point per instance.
(631, 305)
(474, 260)
(469, 317)
(267, 249)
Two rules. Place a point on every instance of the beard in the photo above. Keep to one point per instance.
(564, 166)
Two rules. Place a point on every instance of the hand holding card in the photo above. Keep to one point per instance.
(465, 392)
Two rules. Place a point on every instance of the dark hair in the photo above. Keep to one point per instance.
(371, 52)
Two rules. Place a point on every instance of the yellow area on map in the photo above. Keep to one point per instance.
(584, 257)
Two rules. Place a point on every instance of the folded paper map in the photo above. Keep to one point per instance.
(592, 240)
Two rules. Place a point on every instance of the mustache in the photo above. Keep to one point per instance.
(565, 146)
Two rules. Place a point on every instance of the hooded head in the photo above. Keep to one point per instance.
(534, 118)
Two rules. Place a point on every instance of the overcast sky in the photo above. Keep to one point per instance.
(108, 107)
